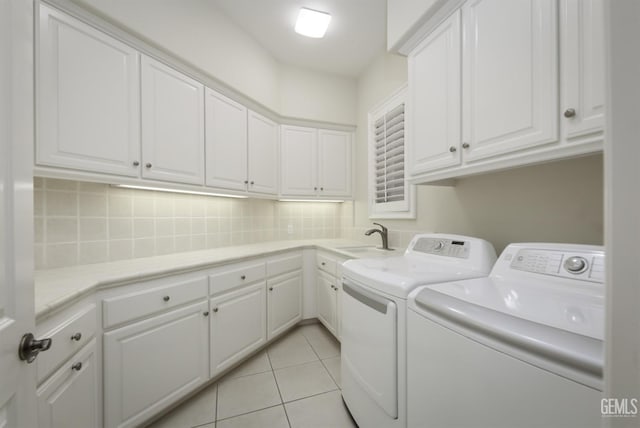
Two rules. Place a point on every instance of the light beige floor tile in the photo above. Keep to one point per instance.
(321, 411)
(247, 394)
(211, 425)
(198, 410)
(333, 366)
(303, 381)
(291, 350)
(273, 417)
(256, 364)
(322, 342)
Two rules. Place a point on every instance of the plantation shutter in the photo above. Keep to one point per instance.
(389, 156)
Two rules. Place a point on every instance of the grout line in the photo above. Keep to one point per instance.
(248, 413)
(273, 373)
(313, 395)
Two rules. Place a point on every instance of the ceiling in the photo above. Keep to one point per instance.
(356, 34)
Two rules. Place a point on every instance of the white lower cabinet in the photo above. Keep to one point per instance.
(327, 301)
(69, 398)
(284, 302)
(150, 364)
(238, 325)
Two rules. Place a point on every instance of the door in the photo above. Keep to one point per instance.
(334, 163)
(226, 136)
(17, 384)
(88, 98)
(435, 104)
(284, 302)
(509, 76)
(172, 125)
(263, 154)
(326, 301)
(238, 325)
(298, 166)
(582, 67)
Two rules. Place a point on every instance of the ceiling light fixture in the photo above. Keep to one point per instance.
(312, 23)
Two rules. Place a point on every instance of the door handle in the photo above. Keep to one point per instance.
(30, 347)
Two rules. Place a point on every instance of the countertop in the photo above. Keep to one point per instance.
(55, 288)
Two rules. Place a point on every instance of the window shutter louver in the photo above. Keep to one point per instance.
(389, 156)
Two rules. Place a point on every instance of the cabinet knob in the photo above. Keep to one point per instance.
(215, 309)
(205, 313)
(251, 182)
(315, 188)
(166, 298)
(148, 165)
(243, 277)
(246, 181)
(452, 149)
(270, 288)
(465, 145)
(570, 112)
(136, 163)
(323, 263)
(322, 189)
(77, 366)
(76, 336)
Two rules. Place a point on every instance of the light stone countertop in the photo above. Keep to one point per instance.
(56, 288)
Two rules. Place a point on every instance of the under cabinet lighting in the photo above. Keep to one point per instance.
(189, 192)
(312, 23)
(311, 200)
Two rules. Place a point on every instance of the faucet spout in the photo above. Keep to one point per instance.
(384, 234)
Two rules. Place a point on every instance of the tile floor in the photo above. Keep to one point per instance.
(294, 383)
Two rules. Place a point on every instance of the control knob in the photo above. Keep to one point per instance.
(576, 264)
(439, 246)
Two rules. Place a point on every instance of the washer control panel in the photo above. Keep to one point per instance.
(443, 247)
(585, 266)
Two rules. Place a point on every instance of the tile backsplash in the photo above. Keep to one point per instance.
(80, 223)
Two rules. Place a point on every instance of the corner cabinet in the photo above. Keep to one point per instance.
(315, 163)
(172, 125)
(88, 98)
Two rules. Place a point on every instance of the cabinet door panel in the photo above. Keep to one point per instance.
(284, 302)
(326, 300)
(150, 364)
(88, 98)
(434, 99)
(509, 76)
(334, 163)
(226, 135)
(298, 161)
(263, 154)
(238, 325)
(69, 399)
(582, 75)
(172, 124)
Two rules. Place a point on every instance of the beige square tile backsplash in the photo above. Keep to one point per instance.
(81, 223)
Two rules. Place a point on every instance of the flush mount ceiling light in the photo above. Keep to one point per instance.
(312, 23)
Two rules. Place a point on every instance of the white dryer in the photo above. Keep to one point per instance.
(521, 348)
(373, 342)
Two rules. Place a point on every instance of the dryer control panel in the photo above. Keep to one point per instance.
(581, 265)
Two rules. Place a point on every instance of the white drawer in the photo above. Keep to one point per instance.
(284, 264)
(326, 263)
(166, 295)
(67, 338)
(236, 275)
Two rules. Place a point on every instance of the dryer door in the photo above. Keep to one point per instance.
(370, 345)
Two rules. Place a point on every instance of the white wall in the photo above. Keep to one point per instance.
(555, 202)
(201, 35)
(402, 16)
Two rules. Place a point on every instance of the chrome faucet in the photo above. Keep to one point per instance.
(384, 234)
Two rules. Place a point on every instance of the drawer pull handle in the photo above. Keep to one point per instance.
(148, 165)
(77, 366)
(570, 112)
(166, 298)
(136, 163)
(270, 288)
(215, 309)
(206, 313)
(77, 337)
(323, 263)
(243, 277)
(465, 145)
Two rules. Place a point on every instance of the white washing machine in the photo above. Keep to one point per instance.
(373, 342)
(521, 348)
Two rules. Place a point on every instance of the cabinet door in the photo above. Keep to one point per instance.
(263, 154)
(298, 161)
(226, 135)
(435, 106)
(510, 76)
(582, 67)
(284, 302)
(69, 399)
(326, 300)
(151, 364)
(88, 98)
(238, 325)
(172, 125)
(334, 163)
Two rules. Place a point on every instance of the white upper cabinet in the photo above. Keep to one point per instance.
(299, 161)
(226, 148)
(582, 68)
(434, 99)
(88, 90)
(172, 125)
(262, 154)
(334, 163)
(315, 163)
(510, 99)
